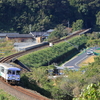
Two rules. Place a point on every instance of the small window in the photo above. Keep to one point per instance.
(13, 72)
(17, 72)
(9, 72)
(2, 69)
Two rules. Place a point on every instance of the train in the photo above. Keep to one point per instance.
(9, 73)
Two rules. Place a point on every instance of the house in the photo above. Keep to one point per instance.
(19, 37)
(42, 34)
(38, 34)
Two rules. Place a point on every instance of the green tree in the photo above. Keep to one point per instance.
(58, 32)
(91, 92)
(98, 20)
(78, 25)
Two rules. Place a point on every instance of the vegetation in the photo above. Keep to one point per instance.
(61, 87)
(59, 31)
(71, 87)
(5, 96)
(6, 48)
(46, 14)
(42, 15)
(93, 39)
(78, 25)
(54, 54)
(90, 93)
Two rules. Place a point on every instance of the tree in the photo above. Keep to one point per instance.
(78, 25)
(90, 93)
(58, 32)
(98, 20)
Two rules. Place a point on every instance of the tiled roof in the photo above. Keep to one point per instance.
(1, 35)
(19, 36)
(4, 34)
(9, 33)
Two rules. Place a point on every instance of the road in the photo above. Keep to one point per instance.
(73, 63)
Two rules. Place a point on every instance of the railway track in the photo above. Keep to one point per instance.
(20, 92)
(16, 55)
(68, 37)
(13, 57)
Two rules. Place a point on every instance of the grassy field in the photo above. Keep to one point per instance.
(97, 51)
(6, 48)
(87, 61)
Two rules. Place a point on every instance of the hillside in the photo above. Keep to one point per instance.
(18, 15)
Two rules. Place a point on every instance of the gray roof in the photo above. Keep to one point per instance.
(4, 34)
(9, 33)
(50, 30)
(36, 34)
(19, 36)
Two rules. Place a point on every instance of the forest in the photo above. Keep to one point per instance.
(18, 15)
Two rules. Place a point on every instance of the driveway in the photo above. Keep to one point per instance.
(73, 63)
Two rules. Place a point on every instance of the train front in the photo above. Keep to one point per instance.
(13, 75)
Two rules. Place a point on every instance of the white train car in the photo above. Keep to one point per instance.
(9, 73)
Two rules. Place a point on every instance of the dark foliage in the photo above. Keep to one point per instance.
(17, 15)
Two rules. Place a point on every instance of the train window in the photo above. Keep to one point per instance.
(13, 72)
(17, 72)
(2, 69)
(9, 72)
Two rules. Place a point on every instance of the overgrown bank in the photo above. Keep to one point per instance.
(38, 61)
(64, 88)
(55, 54)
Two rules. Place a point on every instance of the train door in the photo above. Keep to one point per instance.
(9, 75)
(17, 75)
(13, 75)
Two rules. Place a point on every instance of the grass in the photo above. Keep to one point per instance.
(87, 61)
(6, 48)
(6, 96)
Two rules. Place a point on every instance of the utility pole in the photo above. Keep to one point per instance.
(68, 24)
(73, 45)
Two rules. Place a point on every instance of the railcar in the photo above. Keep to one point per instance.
(10, 73)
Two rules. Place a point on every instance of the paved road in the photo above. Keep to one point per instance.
(73, 63)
